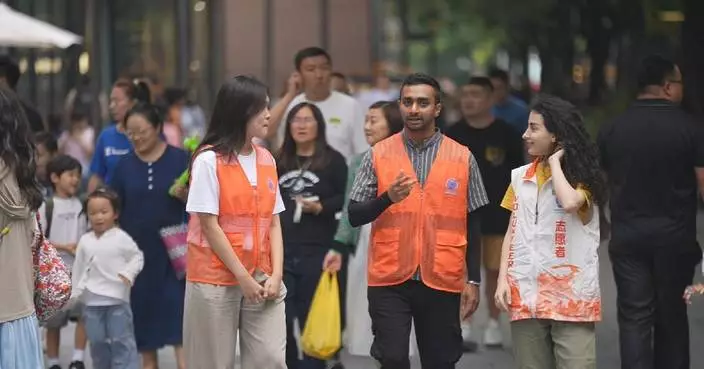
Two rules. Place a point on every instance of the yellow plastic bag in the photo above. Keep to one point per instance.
(321, 337)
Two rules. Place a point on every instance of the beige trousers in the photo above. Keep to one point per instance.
(213, 315)
(549, 344)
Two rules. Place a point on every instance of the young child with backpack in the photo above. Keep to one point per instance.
(64, 222)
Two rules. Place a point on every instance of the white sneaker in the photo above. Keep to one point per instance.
(492, 334)
(466, 332)
(467, 344)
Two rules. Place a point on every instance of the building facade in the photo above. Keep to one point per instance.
(194, 44)
(48, 74)
(262, 36)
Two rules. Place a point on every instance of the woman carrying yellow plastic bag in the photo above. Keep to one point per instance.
(321, 335)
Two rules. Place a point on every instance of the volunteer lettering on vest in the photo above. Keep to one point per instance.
(546, 280)
(549, 276)
(245, 217)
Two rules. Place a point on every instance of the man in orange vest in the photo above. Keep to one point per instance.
(417, 187)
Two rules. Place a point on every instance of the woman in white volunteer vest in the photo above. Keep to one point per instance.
(549, 277)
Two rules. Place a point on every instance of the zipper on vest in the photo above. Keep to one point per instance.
(536, 205)
(255, 236)
(420, 233)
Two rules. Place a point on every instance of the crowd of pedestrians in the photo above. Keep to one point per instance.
(413, 215)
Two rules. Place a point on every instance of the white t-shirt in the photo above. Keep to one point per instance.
(68, 224)
(345, 123)
(370, 97)
(204, 192)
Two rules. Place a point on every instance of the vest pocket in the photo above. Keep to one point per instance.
(384, 252)
(450, 253)
(237, 243)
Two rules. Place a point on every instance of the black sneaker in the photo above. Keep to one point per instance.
(77, 365)
(469, 346)
(55, 367)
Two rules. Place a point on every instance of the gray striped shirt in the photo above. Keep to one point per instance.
(422, 156)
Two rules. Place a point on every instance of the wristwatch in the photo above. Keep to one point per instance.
(474, 283)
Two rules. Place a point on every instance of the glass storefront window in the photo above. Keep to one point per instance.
(200, 60)
(144, 38)
(49, 73)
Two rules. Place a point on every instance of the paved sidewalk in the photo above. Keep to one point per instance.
(607, 333)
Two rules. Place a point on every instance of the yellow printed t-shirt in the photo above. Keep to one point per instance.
(543, 173)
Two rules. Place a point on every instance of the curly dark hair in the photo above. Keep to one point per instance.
(17, 148)
(581, 159)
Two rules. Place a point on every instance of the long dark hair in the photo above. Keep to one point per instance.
(286, 158)
(581, 159)
(392, 114)
(17, 148)
(238, 101)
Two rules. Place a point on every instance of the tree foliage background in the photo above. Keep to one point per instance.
(603, 33)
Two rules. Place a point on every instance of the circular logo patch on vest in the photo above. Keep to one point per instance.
(451, 186)
(270, 184)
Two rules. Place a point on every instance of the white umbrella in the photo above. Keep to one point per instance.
(21, 30)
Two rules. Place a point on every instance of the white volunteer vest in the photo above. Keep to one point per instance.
(553, 262)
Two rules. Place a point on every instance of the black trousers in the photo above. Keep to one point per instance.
(302, 273)
(437, 323)
(652, 315)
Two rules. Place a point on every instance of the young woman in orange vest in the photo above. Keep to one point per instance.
(235, 250)
(549, 276)
(312, 176)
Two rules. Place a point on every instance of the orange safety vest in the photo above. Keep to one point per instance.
(245, 217)
(428, 229)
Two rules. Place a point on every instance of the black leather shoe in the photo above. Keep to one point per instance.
(469, 346)
(77, 365)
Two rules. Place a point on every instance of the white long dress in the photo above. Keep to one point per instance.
(358, 330)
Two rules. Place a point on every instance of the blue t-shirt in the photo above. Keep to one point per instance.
(109, 148)
(514, 112)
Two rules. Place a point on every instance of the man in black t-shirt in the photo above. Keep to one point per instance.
(653, 155)
(498, 149)
(10, 76)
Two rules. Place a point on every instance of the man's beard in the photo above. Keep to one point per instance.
(418, 124)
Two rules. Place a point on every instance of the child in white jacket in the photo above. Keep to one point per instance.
(107, 263)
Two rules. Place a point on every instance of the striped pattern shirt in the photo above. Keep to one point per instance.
(422, 156)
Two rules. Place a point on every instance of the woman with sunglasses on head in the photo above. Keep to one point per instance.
(312, 176)
(235, 249)
(142, 180)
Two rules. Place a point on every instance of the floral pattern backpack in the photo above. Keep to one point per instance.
(52, 281)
